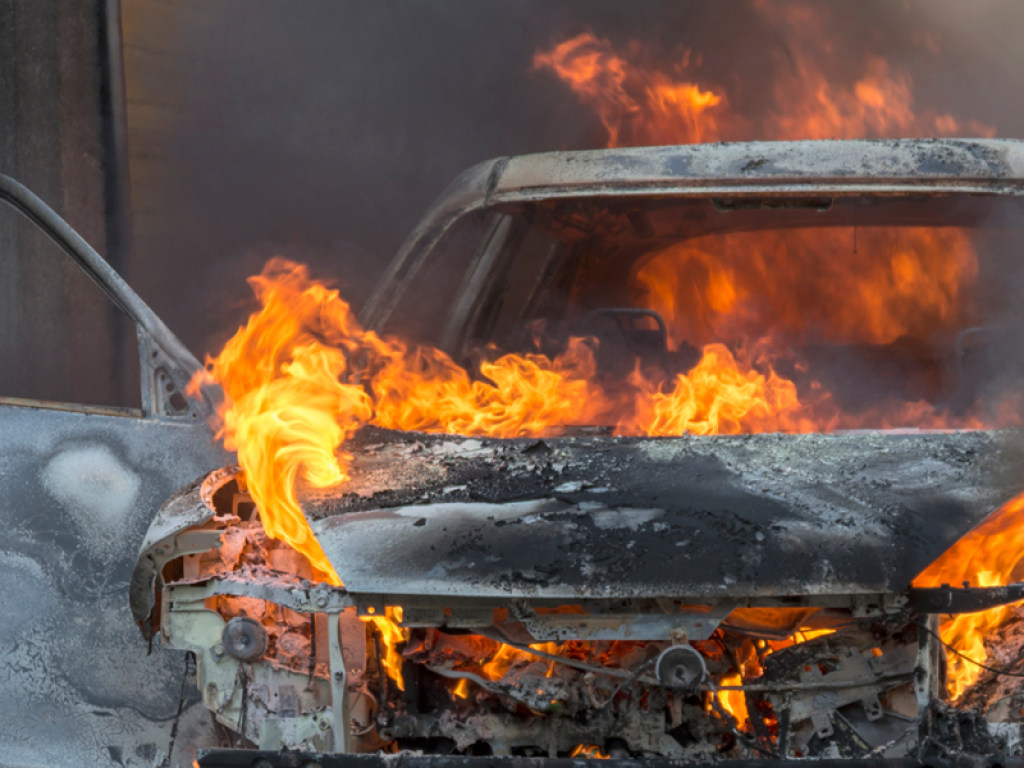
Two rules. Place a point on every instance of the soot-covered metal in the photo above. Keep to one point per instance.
(597, 516)
(788, 554)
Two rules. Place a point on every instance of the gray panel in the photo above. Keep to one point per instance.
(595, 517)
(77, 493)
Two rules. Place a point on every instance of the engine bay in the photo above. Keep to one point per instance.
(284, 661)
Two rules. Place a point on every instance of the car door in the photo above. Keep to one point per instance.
(79, 485)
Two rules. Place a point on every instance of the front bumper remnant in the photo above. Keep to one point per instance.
(234, 758)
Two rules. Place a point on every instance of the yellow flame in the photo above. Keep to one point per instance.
(391, 636)
(733, 702)
(986, 556)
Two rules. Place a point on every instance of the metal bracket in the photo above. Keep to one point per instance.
(947, 599)
(557, 627)
(339, 687)
(163, 382)
(298, 599)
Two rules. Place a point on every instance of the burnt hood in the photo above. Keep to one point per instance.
(702, 517)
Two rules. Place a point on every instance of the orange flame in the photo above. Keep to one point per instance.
(854, 285)
(987, 556)
(507, 656)
(748, 660)
(301, 376)
(290, 405)
(631, 102)
(866, 285)
(850, 285)
(287, 410)
(391, 635)
(910, 281)
(584, 750)
(423, 389)
(291, 399)
(718, 396)
(639, 103)
(733, 702)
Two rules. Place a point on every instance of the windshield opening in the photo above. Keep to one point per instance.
(760, 314)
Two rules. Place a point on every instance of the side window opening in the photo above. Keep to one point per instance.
(62, 339)
(422, 311)
(525, 284)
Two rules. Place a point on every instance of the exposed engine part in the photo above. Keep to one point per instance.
(849, 719)
(244, 638)
(682, 667)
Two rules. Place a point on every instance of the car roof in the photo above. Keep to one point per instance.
(834, 167)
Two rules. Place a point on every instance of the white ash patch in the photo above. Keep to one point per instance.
(625, 518)
(96, 489)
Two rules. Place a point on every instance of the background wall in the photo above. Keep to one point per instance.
(323, 129)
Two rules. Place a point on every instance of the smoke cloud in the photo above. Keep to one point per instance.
(321, 131)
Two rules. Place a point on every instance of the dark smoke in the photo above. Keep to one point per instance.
(321, 130)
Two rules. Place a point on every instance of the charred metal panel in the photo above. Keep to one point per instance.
(77, 492)
(816, 164)
(595, 517)
(78, 487)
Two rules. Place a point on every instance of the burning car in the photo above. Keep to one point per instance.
(663, 465)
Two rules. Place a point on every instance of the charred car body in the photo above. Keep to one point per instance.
(687, 598)
(682, 598)
(78, 486)
(650, 583)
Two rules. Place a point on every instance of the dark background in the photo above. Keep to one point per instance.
(322, 129)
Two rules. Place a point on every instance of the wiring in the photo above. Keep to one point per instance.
(581, 665)
(994, 670)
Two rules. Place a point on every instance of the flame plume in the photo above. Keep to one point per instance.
(636, 106)
(844, 285)
(302, 376)
(718, 396)
(289, 376)
(644, 104)
(287, 411)
(986, 557)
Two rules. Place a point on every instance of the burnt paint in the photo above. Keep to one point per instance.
(734, 516)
